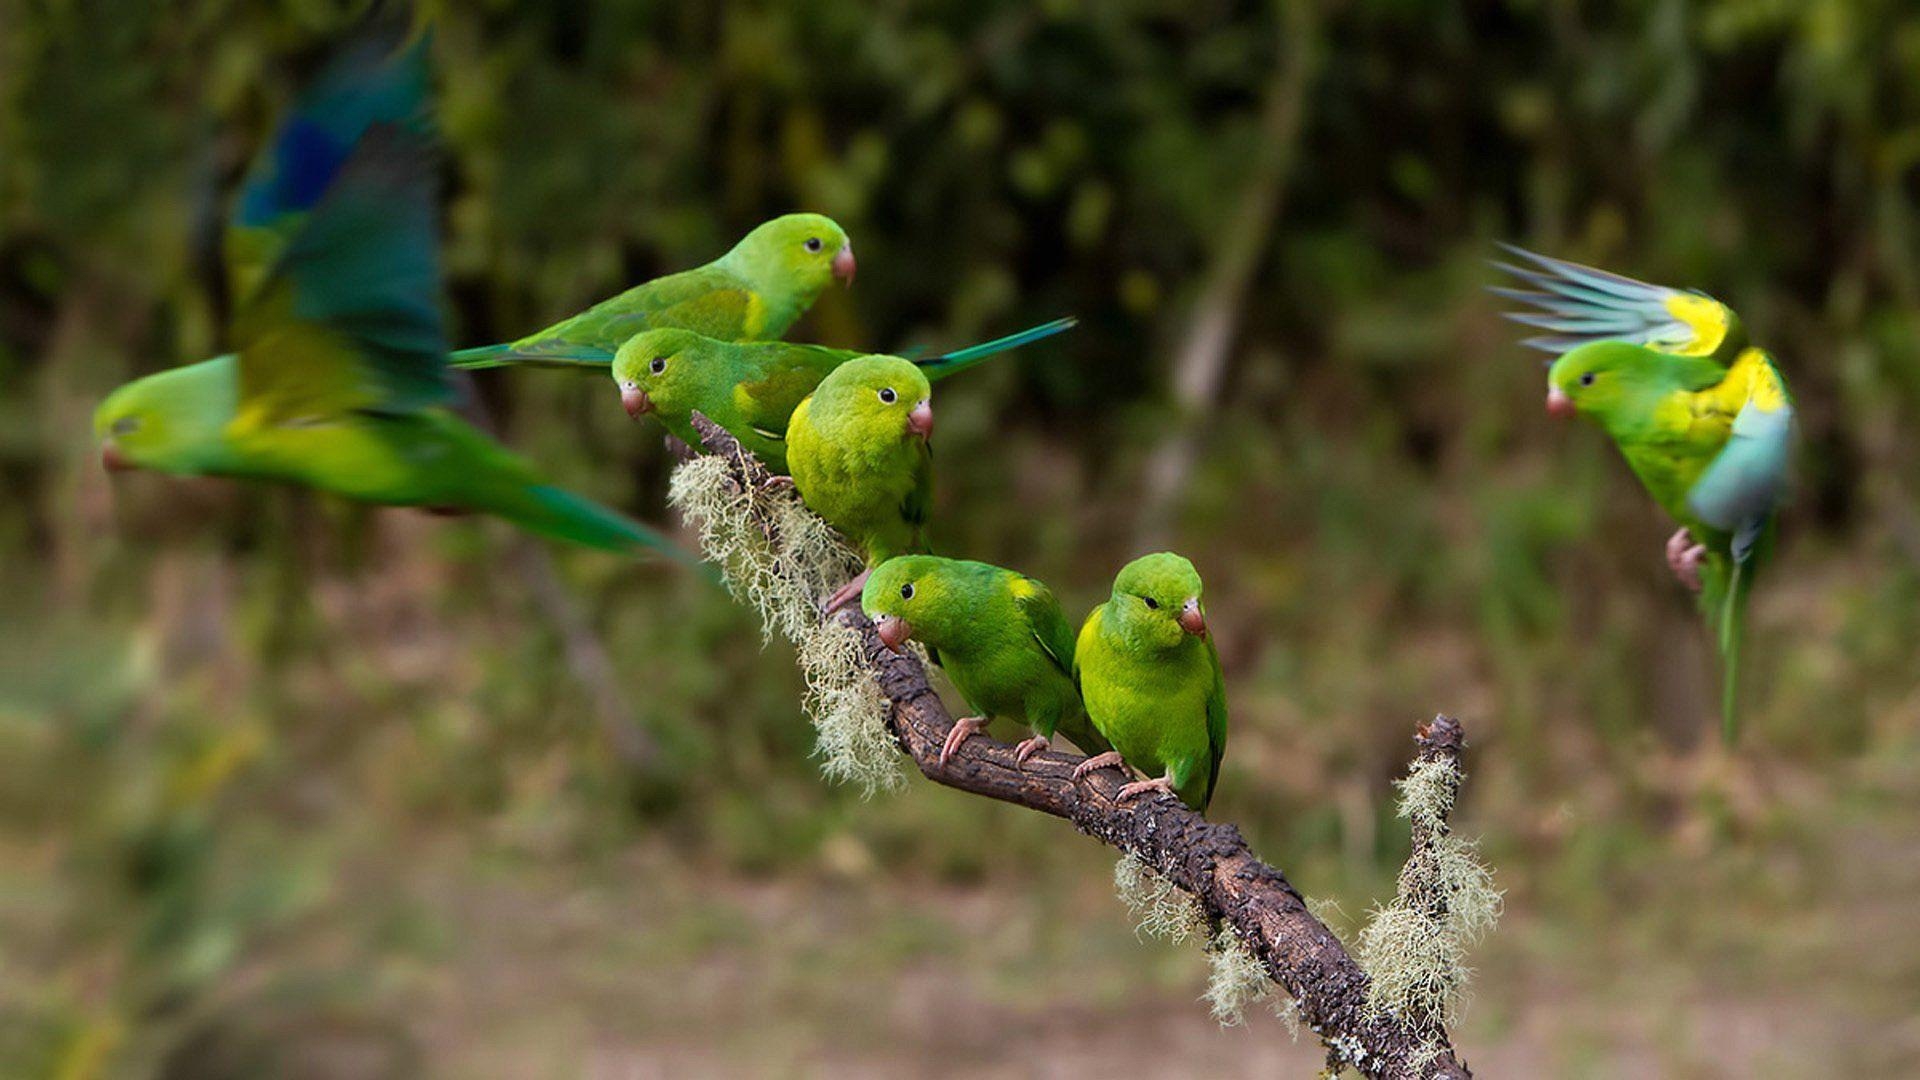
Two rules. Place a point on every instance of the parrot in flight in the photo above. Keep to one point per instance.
(1001, 638)
(752, 388)
(1151, 680)
(858, 454)
(752, 293)
(1703, 417)
(339, 380)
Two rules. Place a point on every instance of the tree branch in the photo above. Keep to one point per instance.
(1210, 860)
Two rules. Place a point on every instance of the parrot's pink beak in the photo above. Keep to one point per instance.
(1558, 403)
(844, 265)
(893, 631)
(920, 420)
(1191, 620)
(113, 460)
(636, 402)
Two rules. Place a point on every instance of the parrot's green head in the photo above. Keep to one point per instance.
(171, 421)
(911, 595)
(671, 370)
(874, 399)
(796, 253)
(1156, 601)
(1615, 382)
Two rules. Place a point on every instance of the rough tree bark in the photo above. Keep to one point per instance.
(1208, 859)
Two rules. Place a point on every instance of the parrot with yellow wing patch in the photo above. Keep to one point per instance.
(340, 379)
(754, 292)
(1702, 416)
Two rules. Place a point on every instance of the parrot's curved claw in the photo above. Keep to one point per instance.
(963, 729)
(845, 594)
(1138, 788)
(1684, 558)
(1099, 761)
(774, 485)
(1030, 747)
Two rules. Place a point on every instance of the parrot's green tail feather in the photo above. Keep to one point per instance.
(492, 356)
(939, 367)
(485, 356)
(1725, 584)
(558, 513)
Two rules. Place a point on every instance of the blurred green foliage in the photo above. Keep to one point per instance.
(267, 757)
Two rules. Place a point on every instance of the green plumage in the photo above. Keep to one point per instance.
(340, 379)
(754, 292)
(1000, 637)
(859, 457)
(1703, 418)
(752, 388)
(1152, 685)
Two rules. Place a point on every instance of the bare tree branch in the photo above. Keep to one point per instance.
(1208, 859)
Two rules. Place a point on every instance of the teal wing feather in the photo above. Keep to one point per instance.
(348, 317)
(951, 363)
(1216, 725)
(1739, 491)
(1578, 305)
(369, 83)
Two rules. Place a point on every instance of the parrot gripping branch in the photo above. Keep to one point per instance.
(1210, 860)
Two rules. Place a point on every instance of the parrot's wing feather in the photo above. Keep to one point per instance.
(1740, 489)
(349, 317)
(1047, 621)
(368, 83)
(768, 398)
(1216, 723)
(1578, 304)
(919, 501)
(708, 300)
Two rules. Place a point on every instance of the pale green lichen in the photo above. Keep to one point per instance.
(1415, 948)
(1159, 907)
(1235, 978)
(781, 559)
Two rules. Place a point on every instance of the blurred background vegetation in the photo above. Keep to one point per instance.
(289, 787)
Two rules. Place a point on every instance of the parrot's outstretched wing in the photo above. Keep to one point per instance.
(1740, 489)
(348, 318)
(369, 83)
(1578, 305)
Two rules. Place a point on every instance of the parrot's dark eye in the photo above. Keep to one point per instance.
(887, 396)
(659, 365)
(126, 425)
(906, 591)
(1152, 604)
(814, 244)
(1587, 379)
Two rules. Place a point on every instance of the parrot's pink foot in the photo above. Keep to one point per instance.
(1141, 787)
(1684, 557)
(1030, 747)
(1099, 761)
(963, 729)
(846, 594)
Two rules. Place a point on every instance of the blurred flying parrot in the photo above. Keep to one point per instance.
(1000, 636)
(1702, 416)
(752, 388)
(340, 380)
(752, 293)
(1152, 683)
(857, 448)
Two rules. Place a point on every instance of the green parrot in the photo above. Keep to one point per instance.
(1702, 416)
(752, 293)
(857, 449)
(1000, 637)
(1152, 683)
(752, 388)
(340, 380)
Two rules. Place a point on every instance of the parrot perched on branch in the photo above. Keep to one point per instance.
(858, 452)
(1702, 416)
(752, 293)
(1000, 636)
(752, 388)
(340, 381)
(1151, 680)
